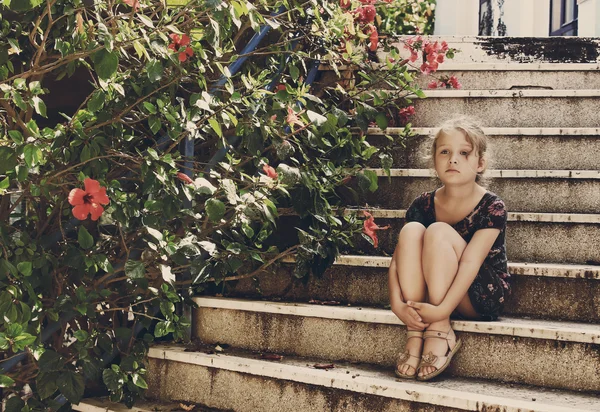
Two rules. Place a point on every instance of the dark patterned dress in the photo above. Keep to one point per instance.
(492, 285)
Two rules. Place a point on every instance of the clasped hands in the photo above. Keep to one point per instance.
(419, 315)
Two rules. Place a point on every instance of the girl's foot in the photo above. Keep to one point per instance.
(439, 348)
(408, 362)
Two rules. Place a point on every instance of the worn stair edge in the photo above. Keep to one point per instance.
(102, 405)
(515, 268)
(506, 173)
(558, 67)
(459, 94)
(462, 394)
(537, 329)
(512, 216)
(499, 131)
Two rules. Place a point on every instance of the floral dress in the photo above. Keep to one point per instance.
(492, 284)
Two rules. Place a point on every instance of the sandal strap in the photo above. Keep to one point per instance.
(414, 334)
(448, 336)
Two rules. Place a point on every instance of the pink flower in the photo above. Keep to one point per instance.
(366, 14)
(453, 81)
(444, 46)
(88, 201)
(185, 178)
(369, 228)
(432, 85)
(181, 45)
(269, 171)
(405, 113)
(280, 86)
(345, 4)
(292, 118)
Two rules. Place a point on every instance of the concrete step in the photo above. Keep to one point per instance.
(515, 50)
(509, 148)
(105, 405)
(510, 108)
(543, 353)
(530, 237)
(239, 381)
(568, 292)
(493, 76)
(541, 191)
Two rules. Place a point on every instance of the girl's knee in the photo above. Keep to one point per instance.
(437, 231)
(412, 231)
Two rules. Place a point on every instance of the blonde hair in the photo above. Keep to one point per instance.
(474, 135)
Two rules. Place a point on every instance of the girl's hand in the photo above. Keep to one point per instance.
(409, 317)
(428, 312)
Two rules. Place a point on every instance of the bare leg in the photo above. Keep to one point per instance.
(442, 249)
(406, 265)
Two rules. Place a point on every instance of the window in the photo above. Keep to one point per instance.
(563, 18)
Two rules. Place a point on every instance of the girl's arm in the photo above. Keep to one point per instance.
(395, 292)
(468, 267)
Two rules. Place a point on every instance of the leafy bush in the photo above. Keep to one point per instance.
(108, 227)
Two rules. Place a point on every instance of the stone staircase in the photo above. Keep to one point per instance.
(541, 113)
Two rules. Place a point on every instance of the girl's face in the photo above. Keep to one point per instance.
(456, 160)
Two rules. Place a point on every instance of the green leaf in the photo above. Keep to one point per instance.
(160, 329)
(84, 238)
(139, 381)
(96, 102)
(33, 155)
(154, 123)
(105, 63)
(294, 72)
(81, 335)
(215, 209)
(112, 379)
(382, 121)
(216, 126)
(16, 136)
(46, 384)
(155, 70)
(39, 106)
(8, 159)
(316, 118)
(71, 385)
(4, 184)
(6, 381)
(25, 268)
(14, 404)
(135, 269)
(146, 20)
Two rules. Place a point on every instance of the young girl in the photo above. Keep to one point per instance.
(451, 254)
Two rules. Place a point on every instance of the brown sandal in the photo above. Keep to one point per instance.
(439, 362)
(404, 357)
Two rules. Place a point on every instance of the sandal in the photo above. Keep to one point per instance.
(404, 357)
(439, 362)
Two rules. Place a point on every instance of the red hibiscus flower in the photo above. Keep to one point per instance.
(269, 171)
(369, 228)
(185, 178)
(135, 4)
(373, 37)
(88, 201)
(181, 45)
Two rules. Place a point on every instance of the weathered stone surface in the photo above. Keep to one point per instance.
(519, 194)
(541, 362)
(525, 241)
(519, 80)
(236, 391)
(509, 111)
(534, 296)
(509, 152)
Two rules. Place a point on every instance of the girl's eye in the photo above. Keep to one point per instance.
(443, 152)
(464, 153)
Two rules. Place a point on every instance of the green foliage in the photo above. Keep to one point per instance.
(101, 230)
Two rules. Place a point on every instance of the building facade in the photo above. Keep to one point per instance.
(518, 18)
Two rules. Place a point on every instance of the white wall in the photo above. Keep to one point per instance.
(457, 17)
(529, 18)
(589, 18)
